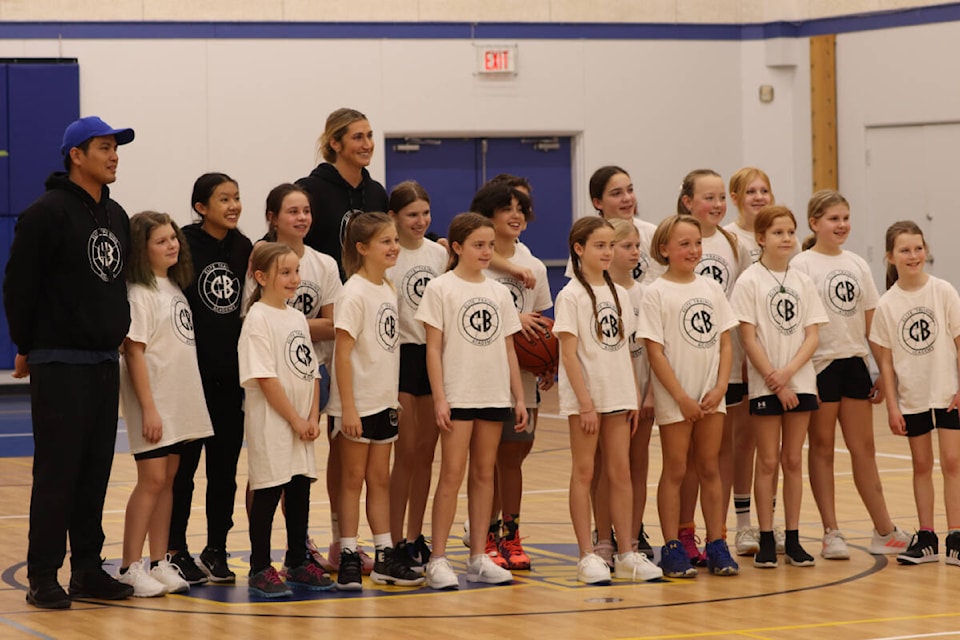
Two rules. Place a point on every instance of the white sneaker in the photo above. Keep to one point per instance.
(781, 538)
(893, 543)
(482, 569)
(637, 567)
(834, 545)
(748, 541)
(592, 569)
(440, 574)
(168, 574)
(143, 585)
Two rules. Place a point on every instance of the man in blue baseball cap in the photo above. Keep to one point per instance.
(65, 296)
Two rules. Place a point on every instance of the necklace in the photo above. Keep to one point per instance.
(779, 282)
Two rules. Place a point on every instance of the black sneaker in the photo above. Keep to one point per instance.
(388, 569)
(953, 549)
(188, 568)
(420, 551)
(311, 576)
(45, 592)
(643, 543)
(98, 584)
(213, 562)
(350, 574)
(924, 547)
(404, 553)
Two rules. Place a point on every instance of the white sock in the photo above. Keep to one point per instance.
(348, 544)
(334, 526)
(382, 540)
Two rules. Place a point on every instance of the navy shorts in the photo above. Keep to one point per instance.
(736, 391)
(921, 423)
(771, 405)
(490, 414)
(380, 428)
(413, 370)
(846, 378)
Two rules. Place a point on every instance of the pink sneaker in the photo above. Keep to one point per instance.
(690, 540)
(318, 557)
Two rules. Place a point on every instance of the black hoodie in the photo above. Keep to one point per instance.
(331, 197)
(215, 295)
(65, 288)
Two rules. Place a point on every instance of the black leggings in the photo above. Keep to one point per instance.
(296, 495)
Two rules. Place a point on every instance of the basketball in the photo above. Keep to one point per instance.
(540, 355)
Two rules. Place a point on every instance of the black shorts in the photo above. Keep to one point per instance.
(170, 450)
(510, 435)
(736, 391)
(413, 370)
(490, 414)
(379, 428)
(771, 405)
(846, 378)
(921, 423)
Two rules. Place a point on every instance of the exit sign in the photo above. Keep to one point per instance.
(496, 60)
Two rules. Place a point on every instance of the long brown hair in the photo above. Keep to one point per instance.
(361, 229)
(579, 235)
(902, 227)
(139, 271)
(766, 218)
(462, 225)
(817, 206)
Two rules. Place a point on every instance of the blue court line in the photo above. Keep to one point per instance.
(949, 12)
(27, 630)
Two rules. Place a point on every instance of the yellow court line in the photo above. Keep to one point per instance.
(797, 627)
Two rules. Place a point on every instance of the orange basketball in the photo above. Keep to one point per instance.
(540, 355)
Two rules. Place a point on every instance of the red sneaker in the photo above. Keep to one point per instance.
(512, 551)
(493, 551)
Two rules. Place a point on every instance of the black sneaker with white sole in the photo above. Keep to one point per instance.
(350, 573)
(388, 569)
(953, 549)
(214, 564)
(924, 547)
(188, 568)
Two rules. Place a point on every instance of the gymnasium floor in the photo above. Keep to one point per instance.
(865, 597)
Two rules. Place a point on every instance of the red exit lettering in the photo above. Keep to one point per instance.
(496, 60)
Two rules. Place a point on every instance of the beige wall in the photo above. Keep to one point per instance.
(684, 11)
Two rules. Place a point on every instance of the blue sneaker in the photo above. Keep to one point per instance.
(719, 560)
(675, 562)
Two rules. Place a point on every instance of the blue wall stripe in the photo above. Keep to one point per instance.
(486, 30)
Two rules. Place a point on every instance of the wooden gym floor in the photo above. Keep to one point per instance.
(865, 597)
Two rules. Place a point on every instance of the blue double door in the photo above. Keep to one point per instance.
(452, 169)
(38, 99)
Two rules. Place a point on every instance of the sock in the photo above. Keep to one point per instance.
(334, 526)
(927, 529)
(512, 523)
(475, 558)
(348, 544)
(692, 525)
(494, 527)
(792, 540)
(381, 541)
(952, 530)
(741, 504)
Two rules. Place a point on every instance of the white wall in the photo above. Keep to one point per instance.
(905, 76)
(254, 108)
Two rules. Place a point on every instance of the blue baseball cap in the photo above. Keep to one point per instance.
(79, 131)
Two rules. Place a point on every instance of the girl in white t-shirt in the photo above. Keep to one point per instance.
(750, 191)
(289, 218)
(363, 396)
(686, 320)
(702, 195)
(599, 395)
(626, 253)
(846, 288)
(161, 395)
(612, 196)
(779, 311)
(509, 209)
(469, 320)
(916, 338)
(420, 261)
(278, 370)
